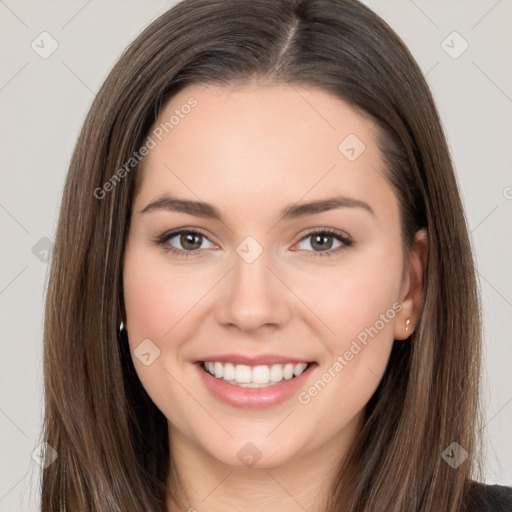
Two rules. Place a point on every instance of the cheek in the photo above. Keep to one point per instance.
(157, 298)
(156, 294)
(350, 299)
(359, 306)
(367, 307)
(161, 301)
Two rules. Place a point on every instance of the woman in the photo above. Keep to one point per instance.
(265, 274)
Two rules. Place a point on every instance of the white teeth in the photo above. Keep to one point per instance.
(243, 373)
(229, 371)
(219, 370)
(276, 373)
(288, 371)
(255, 376)
(260, 374)
(299, 368)
(251, 385)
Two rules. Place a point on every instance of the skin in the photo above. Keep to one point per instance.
(251, 151)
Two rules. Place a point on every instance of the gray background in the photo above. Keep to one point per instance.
(43, 102)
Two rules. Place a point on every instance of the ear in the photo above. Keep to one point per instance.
(411, 292)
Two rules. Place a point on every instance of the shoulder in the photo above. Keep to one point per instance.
(487, 498)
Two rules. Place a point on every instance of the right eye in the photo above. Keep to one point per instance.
(190, 240)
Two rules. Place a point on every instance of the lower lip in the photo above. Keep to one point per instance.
(253, 398)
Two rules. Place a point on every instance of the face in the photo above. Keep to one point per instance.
(256, 285)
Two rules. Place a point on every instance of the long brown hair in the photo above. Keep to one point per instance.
(111, 440)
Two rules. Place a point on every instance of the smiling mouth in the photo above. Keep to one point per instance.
(253, 376)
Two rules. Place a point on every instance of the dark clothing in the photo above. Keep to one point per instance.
(488, 498)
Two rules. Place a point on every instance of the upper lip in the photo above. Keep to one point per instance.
(252, 360)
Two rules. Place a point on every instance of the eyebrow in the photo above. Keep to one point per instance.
(206, 210)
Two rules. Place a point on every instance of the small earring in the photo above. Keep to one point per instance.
(407, 323)
(121, 326)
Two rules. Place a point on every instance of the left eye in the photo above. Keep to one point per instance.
(322, 243)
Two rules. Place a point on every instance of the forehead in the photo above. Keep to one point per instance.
(262, 143)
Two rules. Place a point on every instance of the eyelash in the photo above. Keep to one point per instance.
(341, 237)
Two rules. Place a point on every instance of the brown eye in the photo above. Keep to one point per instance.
(323, 242)
(183, 242)
(190, 241)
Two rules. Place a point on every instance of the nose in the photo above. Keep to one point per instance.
(254, 295)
